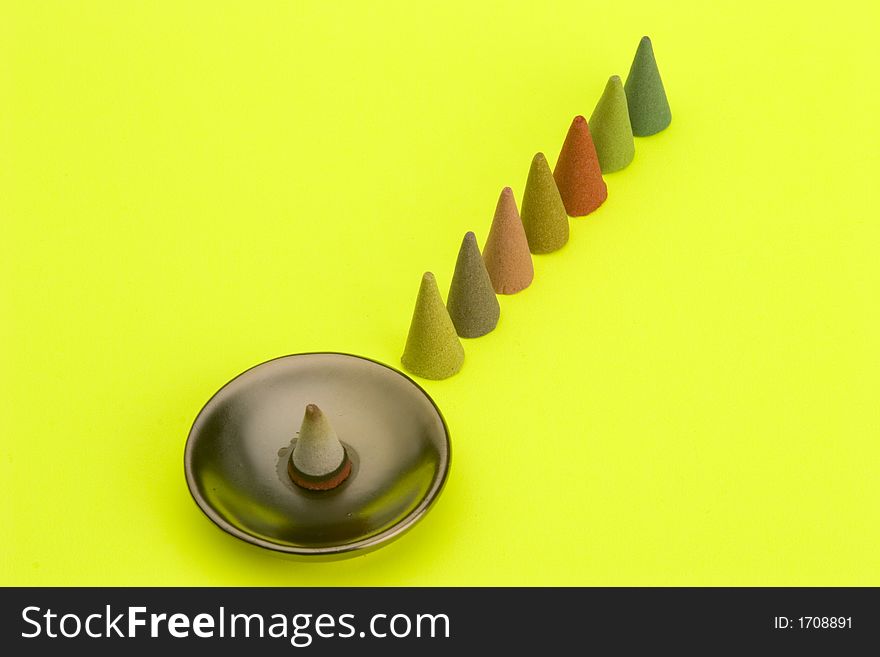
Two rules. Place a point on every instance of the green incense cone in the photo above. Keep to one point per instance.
(649, 111)
(471, 302)
(433, 350)
(611, 130)
(543, 213)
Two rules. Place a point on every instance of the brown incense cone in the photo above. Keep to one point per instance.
(433, 350)
(577, 171)
(506, 252)
(471, 302)
(318, 461)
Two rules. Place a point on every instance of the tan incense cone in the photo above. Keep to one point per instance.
(506, 252)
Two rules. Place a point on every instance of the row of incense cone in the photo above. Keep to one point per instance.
(574, 188)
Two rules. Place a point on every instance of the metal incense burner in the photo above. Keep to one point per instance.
(243, 472)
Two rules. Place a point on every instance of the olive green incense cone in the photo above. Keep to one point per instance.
(543, 213)
(433, 350)
(611, 130)
(649, 111)
(472, 304)
(506, 252)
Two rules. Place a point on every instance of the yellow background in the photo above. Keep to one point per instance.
(687, 394)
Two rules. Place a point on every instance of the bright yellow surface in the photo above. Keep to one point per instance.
(687, 394)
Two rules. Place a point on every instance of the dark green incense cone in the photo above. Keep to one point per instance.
(433, 350)
(472, 304)
(611, 130)
(543, 213)
(649, 111)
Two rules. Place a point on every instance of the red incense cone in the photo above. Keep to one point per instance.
(577, 171)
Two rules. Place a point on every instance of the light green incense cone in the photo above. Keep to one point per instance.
(611, 130)
(433, 350)
(649, 111)
(543, 213)
(471, 303)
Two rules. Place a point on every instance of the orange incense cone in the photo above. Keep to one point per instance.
(577, 173)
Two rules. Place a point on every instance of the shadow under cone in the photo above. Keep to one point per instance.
(506, 252)
(472, 304)
(543, 213)
(611, 130)
(649, 111)
(433, 350)
(578, 174)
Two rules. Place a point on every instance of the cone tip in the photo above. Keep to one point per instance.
(312, 410)
(470, 237)
(539, 156)
(579, 119)
(646, 40)
(507, 191)
(614, 79)
(428, 277)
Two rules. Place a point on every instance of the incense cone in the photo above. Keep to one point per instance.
(578, 174)
(318, 460)
(471, 302)
(506, 252)
(543, 213)
(433, 350)
(649, 111)
(611, 129)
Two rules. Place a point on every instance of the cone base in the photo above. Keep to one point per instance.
(512, 288)
(437, 373)
(617, 166)
(583, 208)
(647, 131)
(543, 249)
(478, 331)
(323, 482)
